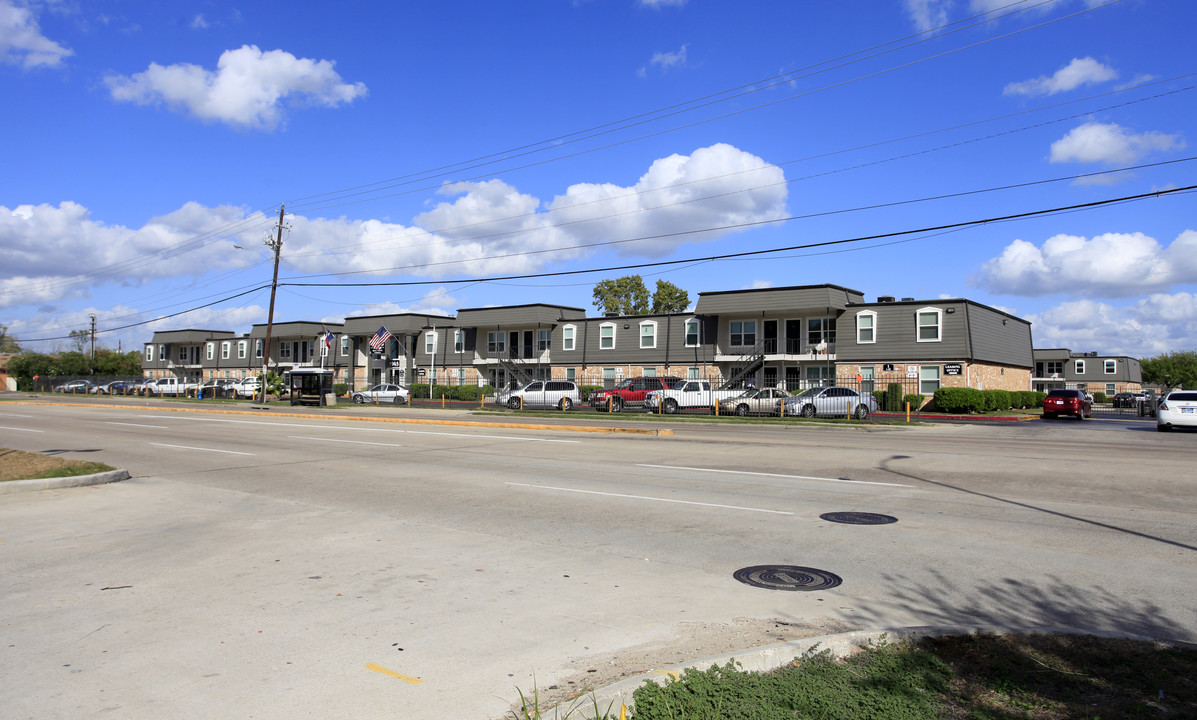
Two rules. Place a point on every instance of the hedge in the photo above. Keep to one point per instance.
(466, 393)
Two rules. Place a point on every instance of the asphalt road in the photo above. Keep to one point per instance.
(269, 566)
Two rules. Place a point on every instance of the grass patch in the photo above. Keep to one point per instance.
(959, 677)
(19, 465)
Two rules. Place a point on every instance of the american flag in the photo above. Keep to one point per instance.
(379, 340)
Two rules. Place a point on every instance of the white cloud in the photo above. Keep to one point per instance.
(658, 4)
(248, 89)
(928, 14)
(667, 60)
(1156, 324)
(1109, 265)
(22, 42)
(1081, 71)
(758, 285)
(1111, 144)
(199, 23)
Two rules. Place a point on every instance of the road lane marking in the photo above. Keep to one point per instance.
(654, 499)
(380, 669)
(351, 442)
(371, 429)
(188, 447)
(156, 427)
(2, 427)
(776, 475)
(14, 415)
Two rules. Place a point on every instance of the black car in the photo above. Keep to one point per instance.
(1124, 400)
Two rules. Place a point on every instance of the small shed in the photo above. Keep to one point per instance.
(312, 386)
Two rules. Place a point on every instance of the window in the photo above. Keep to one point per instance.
(543, 339)
(241, 347)
(1111, 367)
(459, 341)
(692, 373)
(344, 345)
(571, 374)
(183, 354)
(496, 342)
(149, 353)
(1080, 367)
(743, 333)
(648, 335)
(928, 325)
(224, 350)
(430, 342)
(866, 327)
(162, 353)
(866, 378)
(257, 348)
(1111, 389)
(460, 374)
(820, 330)
(568, 333)
(609, 377)
(211, 351)
(692, 333)
(607, 336)
(649, 372)
(284, 351)
(928, 379)
(1055, 367)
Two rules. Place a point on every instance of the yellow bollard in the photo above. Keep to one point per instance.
(442, 401)
(609, 400)
(716, 409)
(481, 401)
(907, 412)
(782, 413)
(521, 402)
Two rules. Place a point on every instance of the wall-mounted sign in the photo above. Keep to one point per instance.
(952, 368)
(396, 362)
(422, 372)
(912, 371)
(888, 367)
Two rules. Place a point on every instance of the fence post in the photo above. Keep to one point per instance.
(481, 401)
(442, 401)
(907, 412)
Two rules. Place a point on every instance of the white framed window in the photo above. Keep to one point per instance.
(496, 342)
(284, 351)
(459, 341)
(162, 353)
(225, 347)
(182, 354)
(568, 337)
(257, 348)
(210, 351)
(607, 336)
(866, 327)
(460, 374)
(820, 330)
(648, 372)
(241, 348)
(1055, 368)
(928, 379)
(1111, 367)
(692, 373)
(743, 333)
(149, 353)
(571, 374)
(344, 346)
(692, 332)
(1111, 388)
(1080, 367)
(928, 321)
(430, 342)
(648, 335)
(544, 337)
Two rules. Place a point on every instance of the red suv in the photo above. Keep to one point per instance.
(630, 392)
(1067, 402)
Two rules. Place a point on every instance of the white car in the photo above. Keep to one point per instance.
(248, 387)
(1178, 409)
(561, 394)
(385, 393)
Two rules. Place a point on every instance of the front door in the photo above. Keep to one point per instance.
(529, 340)
(770, 331)
(793, 337)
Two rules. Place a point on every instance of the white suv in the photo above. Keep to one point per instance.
(561, 394)
(247, 387)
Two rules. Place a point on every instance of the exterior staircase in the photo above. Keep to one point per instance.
(753, 360)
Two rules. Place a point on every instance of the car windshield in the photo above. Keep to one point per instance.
(813, 392)
(1189, 396)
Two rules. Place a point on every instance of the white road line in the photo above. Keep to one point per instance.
(653, 499)
(351, 442)
(14, 415)
(20, 429)
(156, 427)
(372, 429)
(188, 447)
(776, 475)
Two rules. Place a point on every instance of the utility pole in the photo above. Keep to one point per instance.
(92, 364)
(276, 244)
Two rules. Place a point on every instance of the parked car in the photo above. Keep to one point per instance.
(631, 392)
(117, 387)
(765, 401)
(247, 387)
(217, 388)
(1067, 402)
(1177, 409)
(829, 402)
(561, 394)
(1124, 400)
(686, 395)
(384, 393)
(79, 387)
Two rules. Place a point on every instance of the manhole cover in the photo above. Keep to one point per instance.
(787, 577)
(859, 518)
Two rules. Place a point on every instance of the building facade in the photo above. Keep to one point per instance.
(1109, 374)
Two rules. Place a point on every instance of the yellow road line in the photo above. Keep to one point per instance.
(380, 669)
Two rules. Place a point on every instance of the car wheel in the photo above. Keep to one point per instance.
(1049, 416)
(398, 400)
(808, 411)
(616, 404)
(862, 412)
(514, 403)
(1162, 428)
(742, 410)
(566, 404)
(1080, 414)
(359, 399)
(670, 406)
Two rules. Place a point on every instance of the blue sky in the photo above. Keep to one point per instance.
(148, 149)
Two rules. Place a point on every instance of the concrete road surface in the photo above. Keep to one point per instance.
(272, 566)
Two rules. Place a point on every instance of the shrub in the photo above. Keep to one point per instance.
(418, 391)
(893, 397)
(1099, 397)
(340, 389)
(585, 390)
(914, 400)
(472, 393)
(1037, 399)
(959, 400)
(879, 396)
(995, 400)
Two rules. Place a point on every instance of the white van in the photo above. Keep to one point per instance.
(561, 394)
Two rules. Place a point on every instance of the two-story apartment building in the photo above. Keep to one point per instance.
(1109, 374)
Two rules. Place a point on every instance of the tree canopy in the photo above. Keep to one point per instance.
(8, 343)
(628, 295)
(1172, 370)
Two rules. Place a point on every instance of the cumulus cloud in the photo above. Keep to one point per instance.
(22, 42)
(1156, 324)
(667, 60)
(249, 88)
(1081, 71)
(928, 14)
(1109, 265)
(1110, 144)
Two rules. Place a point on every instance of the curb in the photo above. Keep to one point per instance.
(16, 486)
(766, 658)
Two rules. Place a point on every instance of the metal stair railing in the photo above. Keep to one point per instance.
(519, 371)
(753, 359)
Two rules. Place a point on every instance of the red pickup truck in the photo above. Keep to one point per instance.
(630, 392)
(1067, 402)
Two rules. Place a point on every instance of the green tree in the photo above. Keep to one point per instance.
(80, 339)
(626, 296)
(8, 344)
(1172, 370)
(669, 298)
(112, 363)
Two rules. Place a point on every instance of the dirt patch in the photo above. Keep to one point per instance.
(20, 465)
(691, 641)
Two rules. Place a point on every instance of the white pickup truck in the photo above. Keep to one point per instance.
(688, 394)
(168, 386)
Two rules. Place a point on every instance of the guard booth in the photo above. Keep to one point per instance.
(312, 386)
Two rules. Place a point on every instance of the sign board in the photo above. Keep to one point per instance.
(396, 362)
(887, 367)
(422, 372)
(912, 371)
(952, 368)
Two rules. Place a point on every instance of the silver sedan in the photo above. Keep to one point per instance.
(830, 402)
